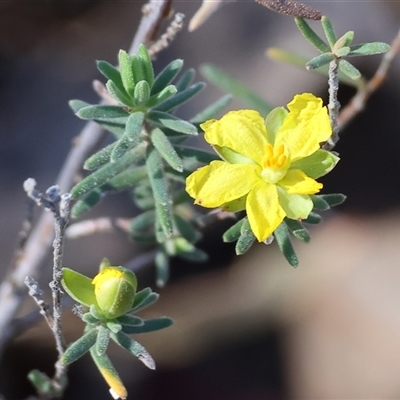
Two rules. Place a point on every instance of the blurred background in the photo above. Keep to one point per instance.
(248, 327)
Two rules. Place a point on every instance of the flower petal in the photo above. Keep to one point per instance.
(219, 183)
(242, 131)
(318, 164)
(306, 126)
(296, 206)
(297, 182)
(263, 210)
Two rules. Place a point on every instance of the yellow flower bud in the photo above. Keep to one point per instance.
(115, 290)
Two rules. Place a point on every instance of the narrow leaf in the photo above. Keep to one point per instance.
(281, 234)
(195, 255)
(313, 218)
(298, 230)
(137, 68)
(212, 110)
(103, 338)
(79, 347)
(195, 155)
(234, 232)
(147, 65)
(134, 348)
(104, 113)
(76, 105)
(344, 41)
(128, 178)
(186, 79)
(186, 229)
(162, 96)
(333, 199)
(166, 76)
(118, 94)
(246, 238)
(367, 49)
(311, 36)
(163, 119)
(319, 61)
(142, 93)
(143, 221)
(100, 158)
(143, 299)
(111, 73)
(87, 203)
(126, 70)
(165, 148)
(319, 203)
(231, 85)
(349, 69)
(130, 320)
(161, 261)
(328, 30)
(150, 325)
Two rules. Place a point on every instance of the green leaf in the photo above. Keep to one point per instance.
(311, 36)
(137, 68)
(115, 114)
(100, 158)
(166, 76)
(212, 110)
(344, 41)
(298, 230)
(118, 94)
(147, 65)
(103, 338)
(111, 73)
(333, 199)
(317, 164)
(161, 261)
(109, 374)
(143, 299)
(142, 222)
(165, 148)
(159, 186)
(342, 52)
(141, 94)
(161, 96)
(78, 286)
(246, 238)
(328, 30)
(79, 347)
(113, 326)
(195, 255)
(319, 61)
(349, 69)
(368, 49)
(150, 325)
(109, 171)
(128, 178)
(313, 218)
(163, 119)
(186, 229)
(88, 202)
(186, 79)
(126, 70)
(76, 105)
(134, 348)
(234, 232)
(181, 97)
(229, 84)
(195, 155)
(281, 234)
(41, 382)
(143, 196)
(89, 319)
(319, 203)
(130, 320)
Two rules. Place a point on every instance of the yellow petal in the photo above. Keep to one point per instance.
(242, 131)
(263, 210)
(306, 126)
(220, 182)
(297, 182)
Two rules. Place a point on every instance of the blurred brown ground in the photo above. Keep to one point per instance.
(255, 329)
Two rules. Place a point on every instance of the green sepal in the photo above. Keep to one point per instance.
(161, 96)
(80, 347)
(163, 119)
(134, 348)
(109, 374)
(76, 105)
(161, 262)
(159, 187)
(311, 36)
(149, 325)
(143, 299)
(281, 234)
(186, 79)
(319, 61)
(141, 94)
(246, 238)
(298, 230)
(126, 70)
(274, 121)
(368, 49)
(111, 73)
(118, 94)
(317, 164)
(319, 203)
(147, 65)
(166, 76)
(234, 232)
(313, 218)
(131, 136)
(181, 97)
(79, 287)
(88, 202)
(212, 110)
(328, 30)
(108, 171)
(349, 69)
(100, 158)
(228, 84)
(115, 114)
(130, 320)
(333, 199)
(102, 340)
(167, 151)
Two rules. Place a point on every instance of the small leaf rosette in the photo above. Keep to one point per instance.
(112, 291)
(269, 167)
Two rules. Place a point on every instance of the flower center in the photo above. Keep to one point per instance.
(275, 163)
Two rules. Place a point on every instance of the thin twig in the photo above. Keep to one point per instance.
(333, 105)
(358, 102)
(12, 289)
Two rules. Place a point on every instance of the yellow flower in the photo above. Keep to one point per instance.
(269, 167)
